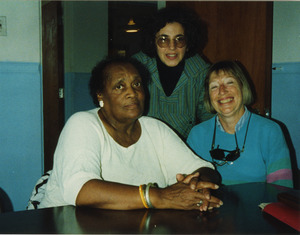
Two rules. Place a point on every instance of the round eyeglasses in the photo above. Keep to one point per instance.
(164, 41)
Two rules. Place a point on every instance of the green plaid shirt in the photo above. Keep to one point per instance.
(184, 107)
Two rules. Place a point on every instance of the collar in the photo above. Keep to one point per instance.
(240, 123)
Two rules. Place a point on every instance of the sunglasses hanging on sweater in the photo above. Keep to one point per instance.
(219, 154)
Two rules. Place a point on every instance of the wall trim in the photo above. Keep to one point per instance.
(15, 67)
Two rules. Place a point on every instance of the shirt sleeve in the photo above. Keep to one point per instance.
(77, 155)
(202, 113)
(175, 155)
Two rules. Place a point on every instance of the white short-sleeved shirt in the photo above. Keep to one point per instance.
(86, 151)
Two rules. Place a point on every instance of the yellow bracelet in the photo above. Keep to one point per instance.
(141, 191)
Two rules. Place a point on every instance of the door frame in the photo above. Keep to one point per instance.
(53, 78)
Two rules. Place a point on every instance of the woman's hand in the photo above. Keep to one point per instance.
(181, 196)
(203, 187)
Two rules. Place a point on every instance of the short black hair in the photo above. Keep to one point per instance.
(99, 76)
(195, 29)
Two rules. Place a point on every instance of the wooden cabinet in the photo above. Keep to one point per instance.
(240, 31)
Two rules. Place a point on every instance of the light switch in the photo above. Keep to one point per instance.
(3, 28)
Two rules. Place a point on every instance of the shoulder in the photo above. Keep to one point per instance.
(152, 122)
(203, 127)
(147, 61)
(156, 127)
(200, 134)
(197, 61)
(196, 67)
(80, 127)
(142, 57)
(89, 114)
(83, 118)
(264, 122)
(265, 126)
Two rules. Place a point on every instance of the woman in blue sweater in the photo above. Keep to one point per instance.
(244, 146)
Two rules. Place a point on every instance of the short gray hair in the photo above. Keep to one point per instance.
(238, 72)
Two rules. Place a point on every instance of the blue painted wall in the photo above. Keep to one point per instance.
(77, 97)
(285, 100)
(20, 130)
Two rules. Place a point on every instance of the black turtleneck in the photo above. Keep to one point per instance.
(169, 76)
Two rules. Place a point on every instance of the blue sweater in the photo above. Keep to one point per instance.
(265, 158)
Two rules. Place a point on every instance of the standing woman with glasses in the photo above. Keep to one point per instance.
(171, 39)
(244, 146)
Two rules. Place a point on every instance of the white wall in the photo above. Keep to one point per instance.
(22, 42)
(85, 34)
(286, 32)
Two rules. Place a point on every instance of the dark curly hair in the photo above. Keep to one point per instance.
(194, 29)
(99, 76)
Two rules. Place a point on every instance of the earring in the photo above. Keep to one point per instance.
(101, 103)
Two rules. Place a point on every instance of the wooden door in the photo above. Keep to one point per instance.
(240, 31)
(53, 105)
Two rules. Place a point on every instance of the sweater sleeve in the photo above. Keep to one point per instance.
(278, 158)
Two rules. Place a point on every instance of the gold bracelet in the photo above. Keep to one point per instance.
(141, 191)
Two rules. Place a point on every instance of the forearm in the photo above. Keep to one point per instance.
(115, 196)
(109, 195)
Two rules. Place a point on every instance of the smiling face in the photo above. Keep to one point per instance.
(226, 95)
(172, 54)
(123, 95)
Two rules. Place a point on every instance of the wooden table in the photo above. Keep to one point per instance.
(240, 214)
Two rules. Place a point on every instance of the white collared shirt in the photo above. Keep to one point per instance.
(240, 123)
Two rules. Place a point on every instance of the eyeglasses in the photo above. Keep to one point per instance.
(219, 154)
(164, 41)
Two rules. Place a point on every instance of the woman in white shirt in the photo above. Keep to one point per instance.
(109, 157)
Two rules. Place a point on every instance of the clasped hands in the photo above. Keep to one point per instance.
(207, 201)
